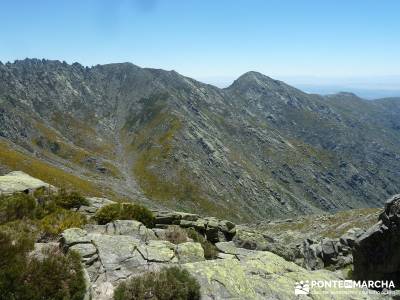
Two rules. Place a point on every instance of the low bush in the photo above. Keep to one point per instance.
(124, 211)
(47, 213)
(168, 284)
(210, 251)
(56, 276)
(17, 206)
(70, 200)
(175, 234)
(59, 220)
(108, 213)
(23, 206)
(14, 247)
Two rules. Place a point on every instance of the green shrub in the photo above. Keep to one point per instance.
(22, 219)
(124, 211)
(41, 192)
(59, 220)
(69, 200)
(56, 276)
(137, 212)
(108, 213)
(14, 247)
(14, 244)
(17, 206)
(168, 284)
(210, 251)
(175, 234)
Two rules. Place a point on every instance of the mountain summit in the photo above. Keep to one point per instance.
(257, 149)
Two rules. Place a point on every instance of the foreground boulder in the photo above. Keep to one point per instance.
(121, 249)
(376, 255)
(17, 181)
(262, 275)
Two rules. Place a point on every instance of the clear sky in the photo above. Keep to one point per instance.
(214, 40)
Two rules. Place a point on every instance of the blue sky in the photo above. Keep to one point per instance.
(300, 41)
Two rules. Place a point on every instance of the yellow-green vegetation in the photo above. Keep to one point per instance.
(55, 276)
(17, 207)
(82, 134)
(54, 145)
(16, 160)
(159, 175)
(153, 158)
(124, 211)
(50, 140)
(44, 214)
(210, 251)
(59, 220)
(168, 284)
(25, 218)
(329, 225)
(69, 200)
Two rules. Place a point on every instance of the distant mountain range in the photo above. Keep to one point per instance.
(254, 150)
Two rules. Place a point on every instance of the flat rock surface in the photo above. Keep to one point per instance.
(18, 181)
(262, 275)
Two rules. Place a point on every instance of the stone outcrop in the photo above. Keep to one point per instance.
(376, 253)
(112, 256)
(245, 267)
(95, 203)
(124, 248)
(214, 229)
(328, 252)
(256, 240)
(18, 181)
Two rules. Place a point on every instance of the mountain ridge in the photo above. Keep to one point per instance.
(259, 148)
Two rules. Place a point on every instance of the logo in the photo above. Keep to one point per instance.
(302, 288)
(332, 287)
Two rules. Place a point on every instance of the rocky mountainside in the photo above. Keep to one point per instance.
(257, 149)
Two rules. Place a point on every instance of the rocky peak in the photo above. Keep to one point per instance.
(256, 81)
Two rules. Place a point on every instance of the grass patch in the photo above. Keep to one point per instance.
(16, 160)
(58, 221)
(124, 211)
(169, 284)
(52, 145)
(44, 216)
